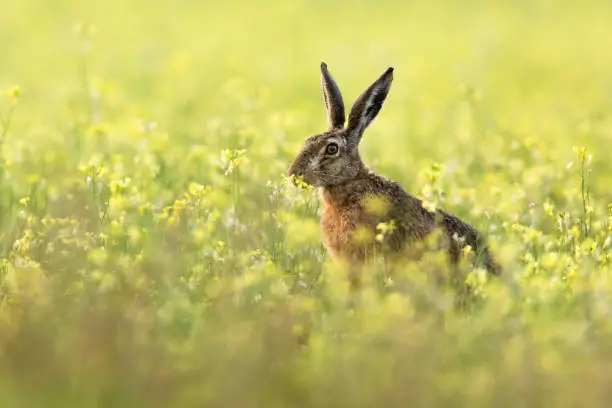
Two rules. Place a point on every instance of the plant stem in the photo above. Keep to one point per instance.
(585, 192)
(7, 122)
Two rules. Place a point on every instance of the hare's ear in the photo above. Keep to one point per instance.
(369, 103)
(333, 99)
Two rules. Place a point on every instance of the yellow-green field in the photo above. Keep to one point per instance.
(152, 254)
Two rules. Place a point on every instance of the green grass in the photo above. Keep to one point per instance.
(151, 253)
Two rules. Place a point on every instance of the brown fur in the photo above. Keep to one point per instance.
(346, 185)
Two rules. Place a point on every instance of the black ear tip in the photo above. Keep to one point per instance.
(323, 66)
(388, 75)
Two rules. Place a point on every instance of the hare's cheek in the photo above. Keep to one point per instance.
(337, 166)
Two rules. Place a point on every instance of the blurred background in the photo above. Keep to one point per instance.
(181, 64)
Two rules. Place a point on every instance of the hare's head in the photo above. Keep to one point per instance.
(332, 158)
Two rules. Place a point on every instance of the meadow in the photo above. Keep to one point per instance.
(152, 253)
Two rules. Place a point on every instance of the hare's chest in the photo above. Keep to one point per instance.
(341, 229)
(337, 229)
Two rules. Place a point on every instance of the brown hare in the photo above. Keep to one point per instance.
(331, 162)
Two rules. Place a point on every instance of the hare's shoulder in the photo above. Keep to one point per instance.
(396, 194)
(406, 210)
(411, 218)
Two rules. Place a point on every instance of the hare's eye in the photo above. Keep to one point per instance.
(331, 148)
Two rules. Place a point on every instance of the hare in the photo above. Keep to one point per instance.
(331, 162)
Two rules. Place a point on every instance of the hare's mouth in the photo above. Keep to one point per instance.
(301, 181)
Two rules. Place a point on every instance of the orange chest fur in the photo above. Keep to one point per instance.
(336, 228)
(339, 225)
